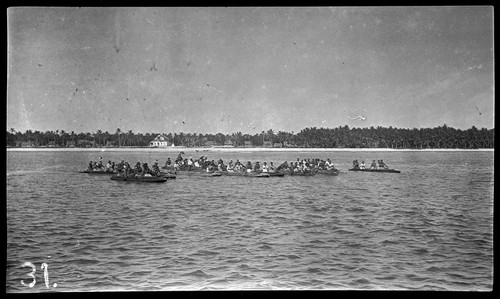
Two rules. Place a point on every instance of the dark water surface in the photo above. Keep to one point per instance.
(428, 228)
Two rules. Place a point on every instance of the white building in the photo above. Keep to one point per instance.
(160, 141)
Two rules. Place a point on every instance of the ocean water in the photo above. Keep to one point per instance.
(428, 228)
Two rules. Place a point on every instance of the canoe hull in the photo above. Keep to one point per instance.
(246, 174)
(145, 179)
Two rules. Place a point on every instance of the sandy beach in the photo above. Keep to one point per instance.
(238, 149)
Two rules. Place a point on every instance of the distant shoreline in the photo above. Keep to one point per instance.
(240, 149)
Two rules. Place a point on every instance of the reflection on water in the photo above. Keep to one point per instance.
(428, 228)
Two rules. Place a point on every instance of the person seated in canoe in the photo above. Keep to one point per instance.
(355, 164)
(374, 165)
(282, 167)
(249, 166)
(220, 166)
(137, 168)
(238, 166)
(362, 165)
(271, 167)
(177, 165)
(196, 164)
(108, 166)
(329, 164)
(210, 168)
(256, 167)
(168, 163)
(99, 164)
(230, 166)
(91, 166)
(381, 164)
(126, 169)
(296, 167)
(265, 168)
(155, 169)
(144, 169)
(120, 165)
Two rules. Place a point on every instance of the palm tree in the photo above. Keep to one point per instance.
(130, 136)
(99, 133)
(118, 132)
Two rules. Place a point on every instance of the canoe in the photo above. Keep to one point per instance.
(144, 179)
(246, 174)
(276, 174)
(98, 172)
(376, 170)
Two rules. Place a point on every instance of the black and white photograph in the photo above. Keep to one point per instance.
(158, 149)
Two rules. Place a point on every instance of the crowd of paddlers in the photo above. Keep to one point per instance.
(374, 165)
(207, 165)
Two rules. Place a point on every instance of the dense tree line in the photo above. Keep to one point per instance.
(341, 137)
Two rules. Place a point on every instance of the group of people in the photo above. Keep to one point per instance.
(203, 163)
(99, 166)
(124, 168)
(375, 165)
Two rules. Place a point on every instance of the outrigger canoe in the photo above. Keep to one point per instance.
(141, 179)
(376, 170)
(98, 172)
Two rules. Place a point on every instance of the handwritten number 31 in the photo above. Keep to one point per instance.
(32, 275)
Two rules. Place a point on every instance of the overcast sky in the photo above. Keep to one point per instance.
(209, 70)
